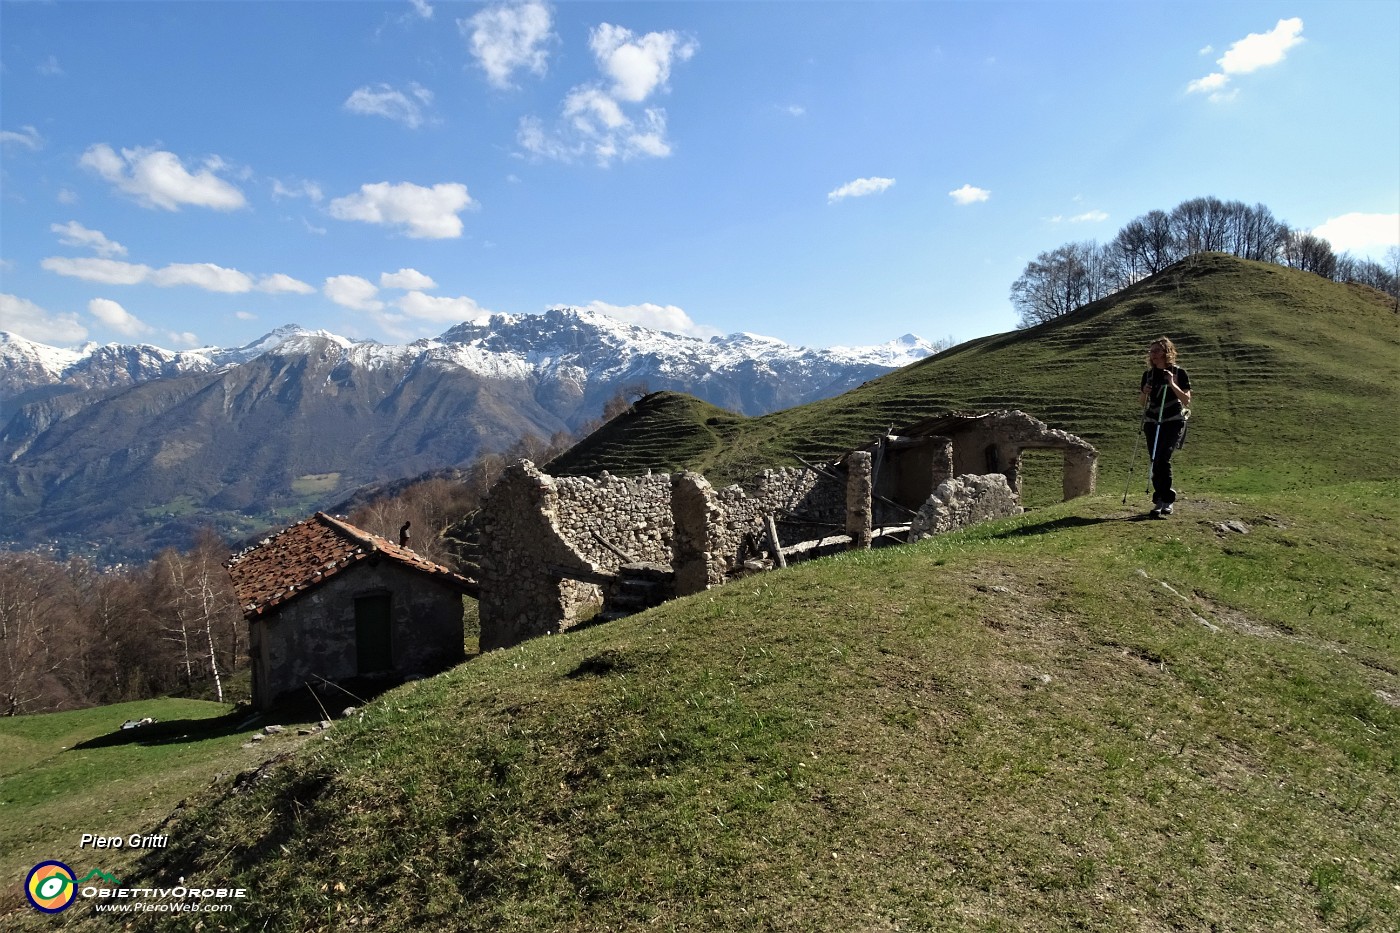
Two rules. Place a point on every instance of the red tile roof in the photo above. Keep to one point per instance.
(309, 553)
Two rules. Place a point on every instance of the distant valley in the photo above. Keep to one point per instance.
(115, 451)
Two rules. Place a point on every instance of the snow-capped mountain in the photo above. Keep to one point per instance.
(110, 443)
(26, 365)
(559, 342)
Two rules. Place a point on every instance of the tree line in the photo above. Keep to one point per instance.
(1065, 279)
(74, 635)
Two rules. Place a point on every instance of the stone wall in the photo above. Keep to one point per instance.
(313, 636)
(636, 515)
(546, 540)
(805, 503)
(551, 545)
(963, 501)
(631, 513)
(994, 445)
(524, 560)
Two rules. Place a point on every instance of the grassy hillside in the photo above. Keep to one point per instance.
(66, 774)
(1296, 380)
(1069, 720)
(1072, 719)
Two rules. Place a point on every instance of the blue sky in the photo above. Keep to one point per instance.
(826, 173)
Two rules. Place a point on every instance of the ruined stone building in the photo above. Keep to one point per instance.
(328, 602)
(555, 547)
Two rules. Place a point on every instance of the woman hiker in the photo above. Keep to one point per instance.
(1165, 395)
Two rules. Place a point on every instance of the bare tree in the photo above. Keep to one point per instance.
(1309, 253)
(1392, 265)
(36, 637)
(198, 603)
(1257, 234)
(1060, 281)
(1370, 273)
(1202, 225)
(1145, 246)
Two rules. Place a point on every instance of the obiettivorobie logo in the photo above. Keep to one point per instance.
(51, 886)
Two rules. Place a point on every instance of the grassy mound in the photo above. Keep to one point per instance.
(1070, 720)
(664, 432)
(1296, 381)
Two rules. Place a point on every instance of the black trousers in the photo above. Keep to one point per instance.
(1161, 441)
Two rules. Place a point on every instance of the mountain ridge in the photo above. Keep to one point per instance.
(27, 364)
(127, 448)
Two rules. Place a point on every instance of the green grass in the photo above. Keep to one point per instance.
(665, 431)
(1074, 719)
(66, 774)
(316, 484)
(1296, 382)
(1016, 727)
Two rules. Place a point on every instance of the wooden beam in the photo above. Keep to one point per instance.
(773, 542)
(585, 576)
(617, 551)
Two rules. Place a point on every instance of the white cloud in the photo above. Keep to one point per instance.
(182, 338)
(593, 112)
(32, 322)
(1208, 84)
(50, 67)
(406, 279)
(426, 213)
(1256, 50)
(534, 139)
(422, 8)
(667, 318)
(510, 37)
(159, 179)
(595, 118)
(637, 66)
(795, 110)
(299, 189)
(1088, 217)
(650, 138)
(353, 292)
(117, 318)
(1260, 50)
(280, 284)
(385, 101)
(1361, 233)
(246, 315)
(203, 275)
(969, 194)
(75, 234)
(861, 187)
(440, 309)
(28, 138)
(105, 271)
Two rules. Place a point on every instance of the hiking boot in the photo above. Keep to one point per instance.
(1165, 510)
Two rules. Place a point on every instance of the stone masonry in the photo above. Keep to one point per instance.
(553, 546)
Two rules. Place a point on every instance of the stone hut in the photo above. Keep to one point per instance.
(555, 545)
(910, 466)
(326, 601)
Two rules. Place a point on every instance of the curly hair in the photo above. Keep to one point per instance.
(1167, 346)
